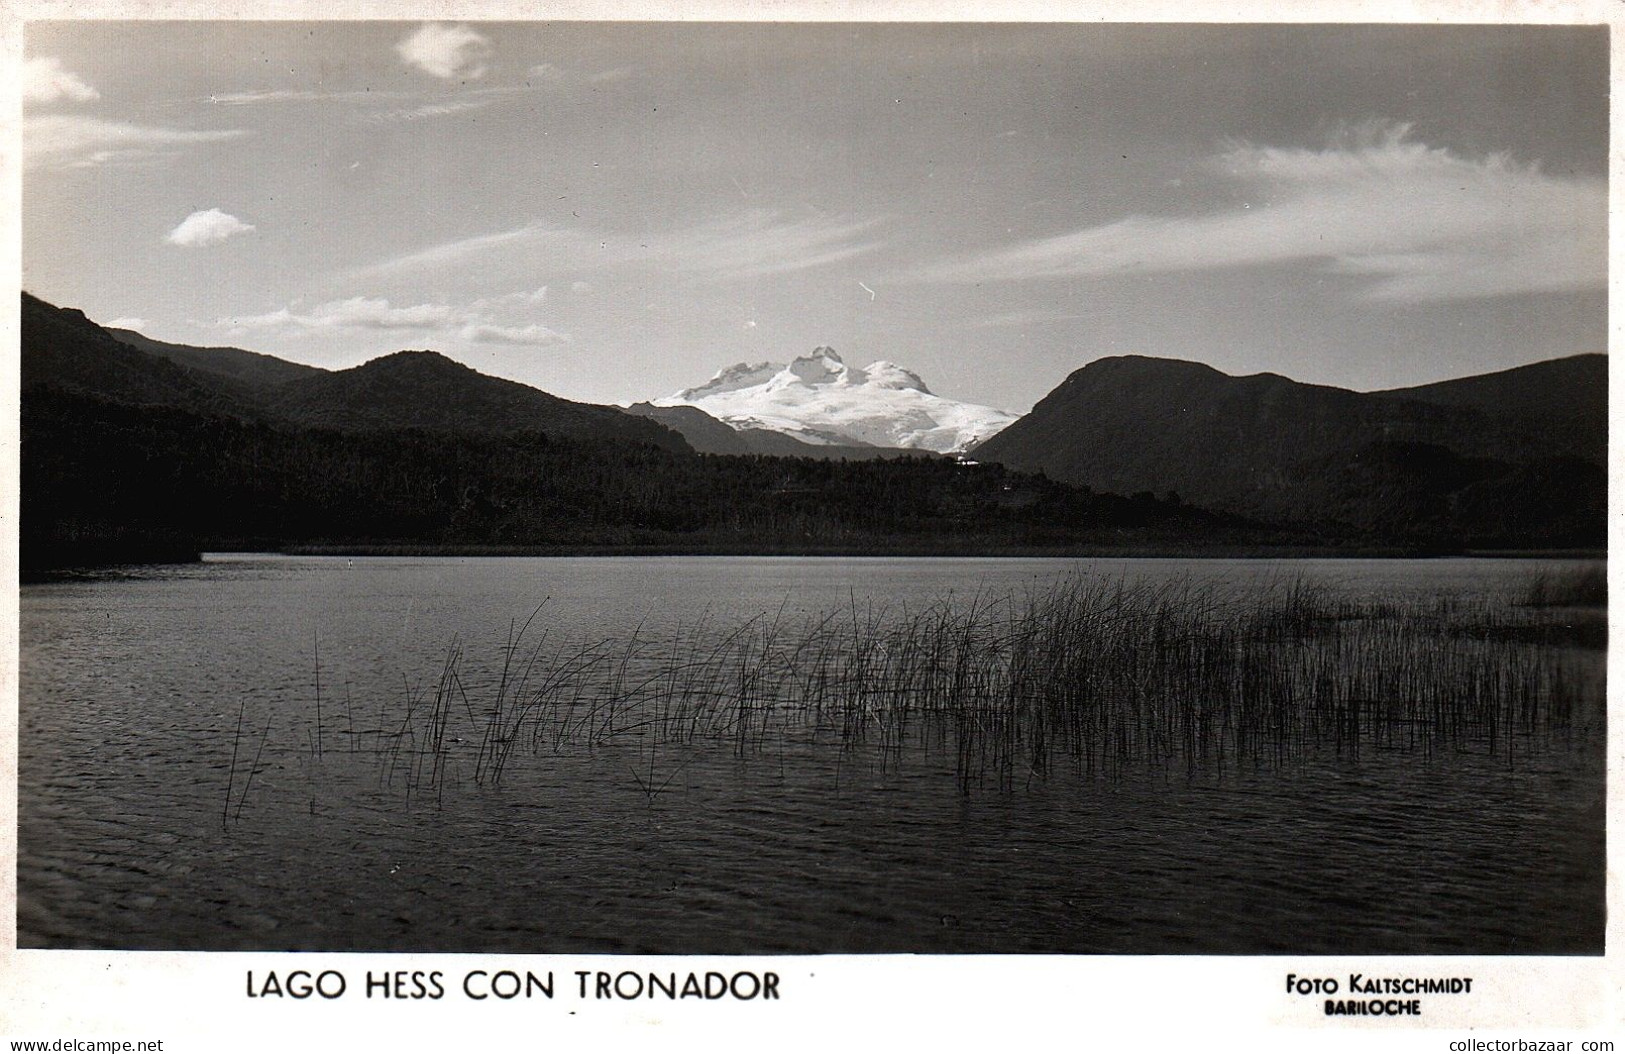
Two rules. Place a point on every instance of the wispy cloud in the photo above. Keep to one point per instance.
(551, 73)
(44, 80)
(257, 96)
(532, 335)
(207, 227)
(523, 298)
(761, 242)
(369, 106)
(461, 250)
(1424, 224)
(447, 52)
(751, 244)
(128, 323)
(431, 109)
(355, 313)
(63, 139)
(469, 324)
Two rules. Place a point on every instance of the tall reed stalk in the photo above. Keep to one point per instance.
(1092, 678)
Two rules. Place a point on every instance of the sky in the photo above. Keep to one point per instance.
(615, 211)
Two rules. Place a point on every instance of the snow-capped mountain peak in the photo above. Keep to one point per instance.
(823, 366)
(883, 374)
(819, 399)
(729, 379)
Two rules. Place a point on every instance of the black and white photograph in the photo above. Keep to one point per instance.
(719, 497)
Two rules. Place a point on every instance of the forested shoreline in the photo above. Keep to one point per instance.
(102, 482)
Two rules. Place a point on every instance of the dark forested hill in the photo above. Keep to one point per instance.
(1556, 408)
(65, 351)
(102, 481)
(422, 389)
(704, 433)
(1514, 458)
(249, 367)
(781, 444)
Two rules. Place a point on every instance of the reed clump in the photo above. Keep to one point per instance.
(1089, 676)
(1577, 587)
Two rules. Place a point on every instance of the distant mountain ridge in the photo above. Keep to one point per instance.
(1516, 454)
(64, 350)
(424, 389)
(250, 367)
(128, 455)
(819, 400)
(134, 449)
(1559, 406)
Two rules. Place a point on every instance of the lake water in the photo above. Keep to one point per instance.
(185, 784)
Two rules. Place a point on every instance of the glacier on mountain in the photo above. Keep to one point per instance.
(821, 400)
